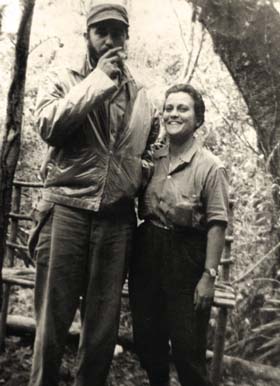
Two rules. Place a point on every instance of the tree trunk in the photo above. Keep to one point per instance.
(18, 325)
(252, 372)
(246, 36)
(10, 139)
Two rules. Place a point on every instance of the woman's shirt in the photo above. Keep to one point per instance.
(193, 193)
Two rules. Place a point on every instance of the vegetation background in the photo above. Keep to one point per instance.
(165, 45)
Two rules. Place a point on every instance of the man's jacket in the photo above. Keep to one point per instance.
(98, 135)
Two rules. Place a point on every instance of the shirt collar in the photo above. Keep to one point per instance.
(186, 157)
(161, 149)
(189, 153)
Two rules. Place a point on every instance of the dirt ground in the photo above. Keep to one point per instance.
(15, 361)
(15, 365)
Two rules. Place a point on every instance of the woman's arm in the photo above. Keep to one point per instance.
(204, 292)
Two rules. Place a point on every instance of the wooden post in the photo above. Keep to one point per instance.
(11, 132)
(219, 341)
(11, 260)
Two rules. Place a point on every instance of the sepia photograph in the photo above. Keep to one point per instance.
(140, 193)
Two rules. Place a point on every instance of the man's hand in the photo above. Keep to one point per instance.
(204, 293)
(111, 62)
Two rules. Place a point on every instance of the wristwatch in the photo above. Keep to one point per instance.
(211, 272)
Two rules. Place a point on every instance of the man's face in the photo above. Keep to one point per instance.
(106, 35)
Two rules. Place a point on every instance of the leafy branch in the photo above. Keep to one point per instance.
(189, 78)
(257, 264)
(44, 41)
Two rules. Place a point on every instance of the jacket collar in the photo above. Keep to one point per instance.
(83, 67)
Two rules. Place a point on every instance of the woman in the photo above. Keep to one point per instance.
(178, 247)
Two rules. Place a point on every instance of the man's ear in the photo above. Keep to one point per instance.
(86, 35)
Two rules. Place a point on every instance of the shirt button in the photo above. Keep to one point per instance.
(169, 177)
(110, 152)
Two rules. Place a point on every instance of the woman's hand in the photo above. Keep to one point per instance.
(204, 292)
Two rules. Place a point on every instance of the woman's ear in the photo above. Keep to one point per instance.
(197, 125)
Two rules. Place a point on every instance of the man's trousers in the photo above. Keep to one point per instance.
(81, 259)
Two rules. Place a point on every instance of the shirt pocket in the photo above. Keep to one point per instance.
(188, 211)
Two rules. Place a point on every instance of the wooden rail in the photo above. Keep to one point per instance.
(26, 184)
(18, 216)
(224, 297)
(11, 246)
(25, 277)
(220, 332)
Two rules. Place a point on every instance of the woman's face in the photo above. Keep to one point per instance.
(179, 116)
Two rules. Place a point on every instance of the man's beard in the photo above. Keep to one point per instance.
(94, 57)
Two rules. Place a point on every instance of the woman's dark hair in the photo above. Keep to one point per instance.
(199, 106)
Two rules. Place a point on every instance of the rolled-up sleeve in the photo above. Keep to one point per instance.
(59, 113)
(216, 195)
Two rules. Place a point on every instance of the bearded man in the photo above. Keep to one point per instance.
(97, 122)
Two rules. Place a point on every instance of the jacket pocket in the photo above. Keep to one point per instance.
(40, 216)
